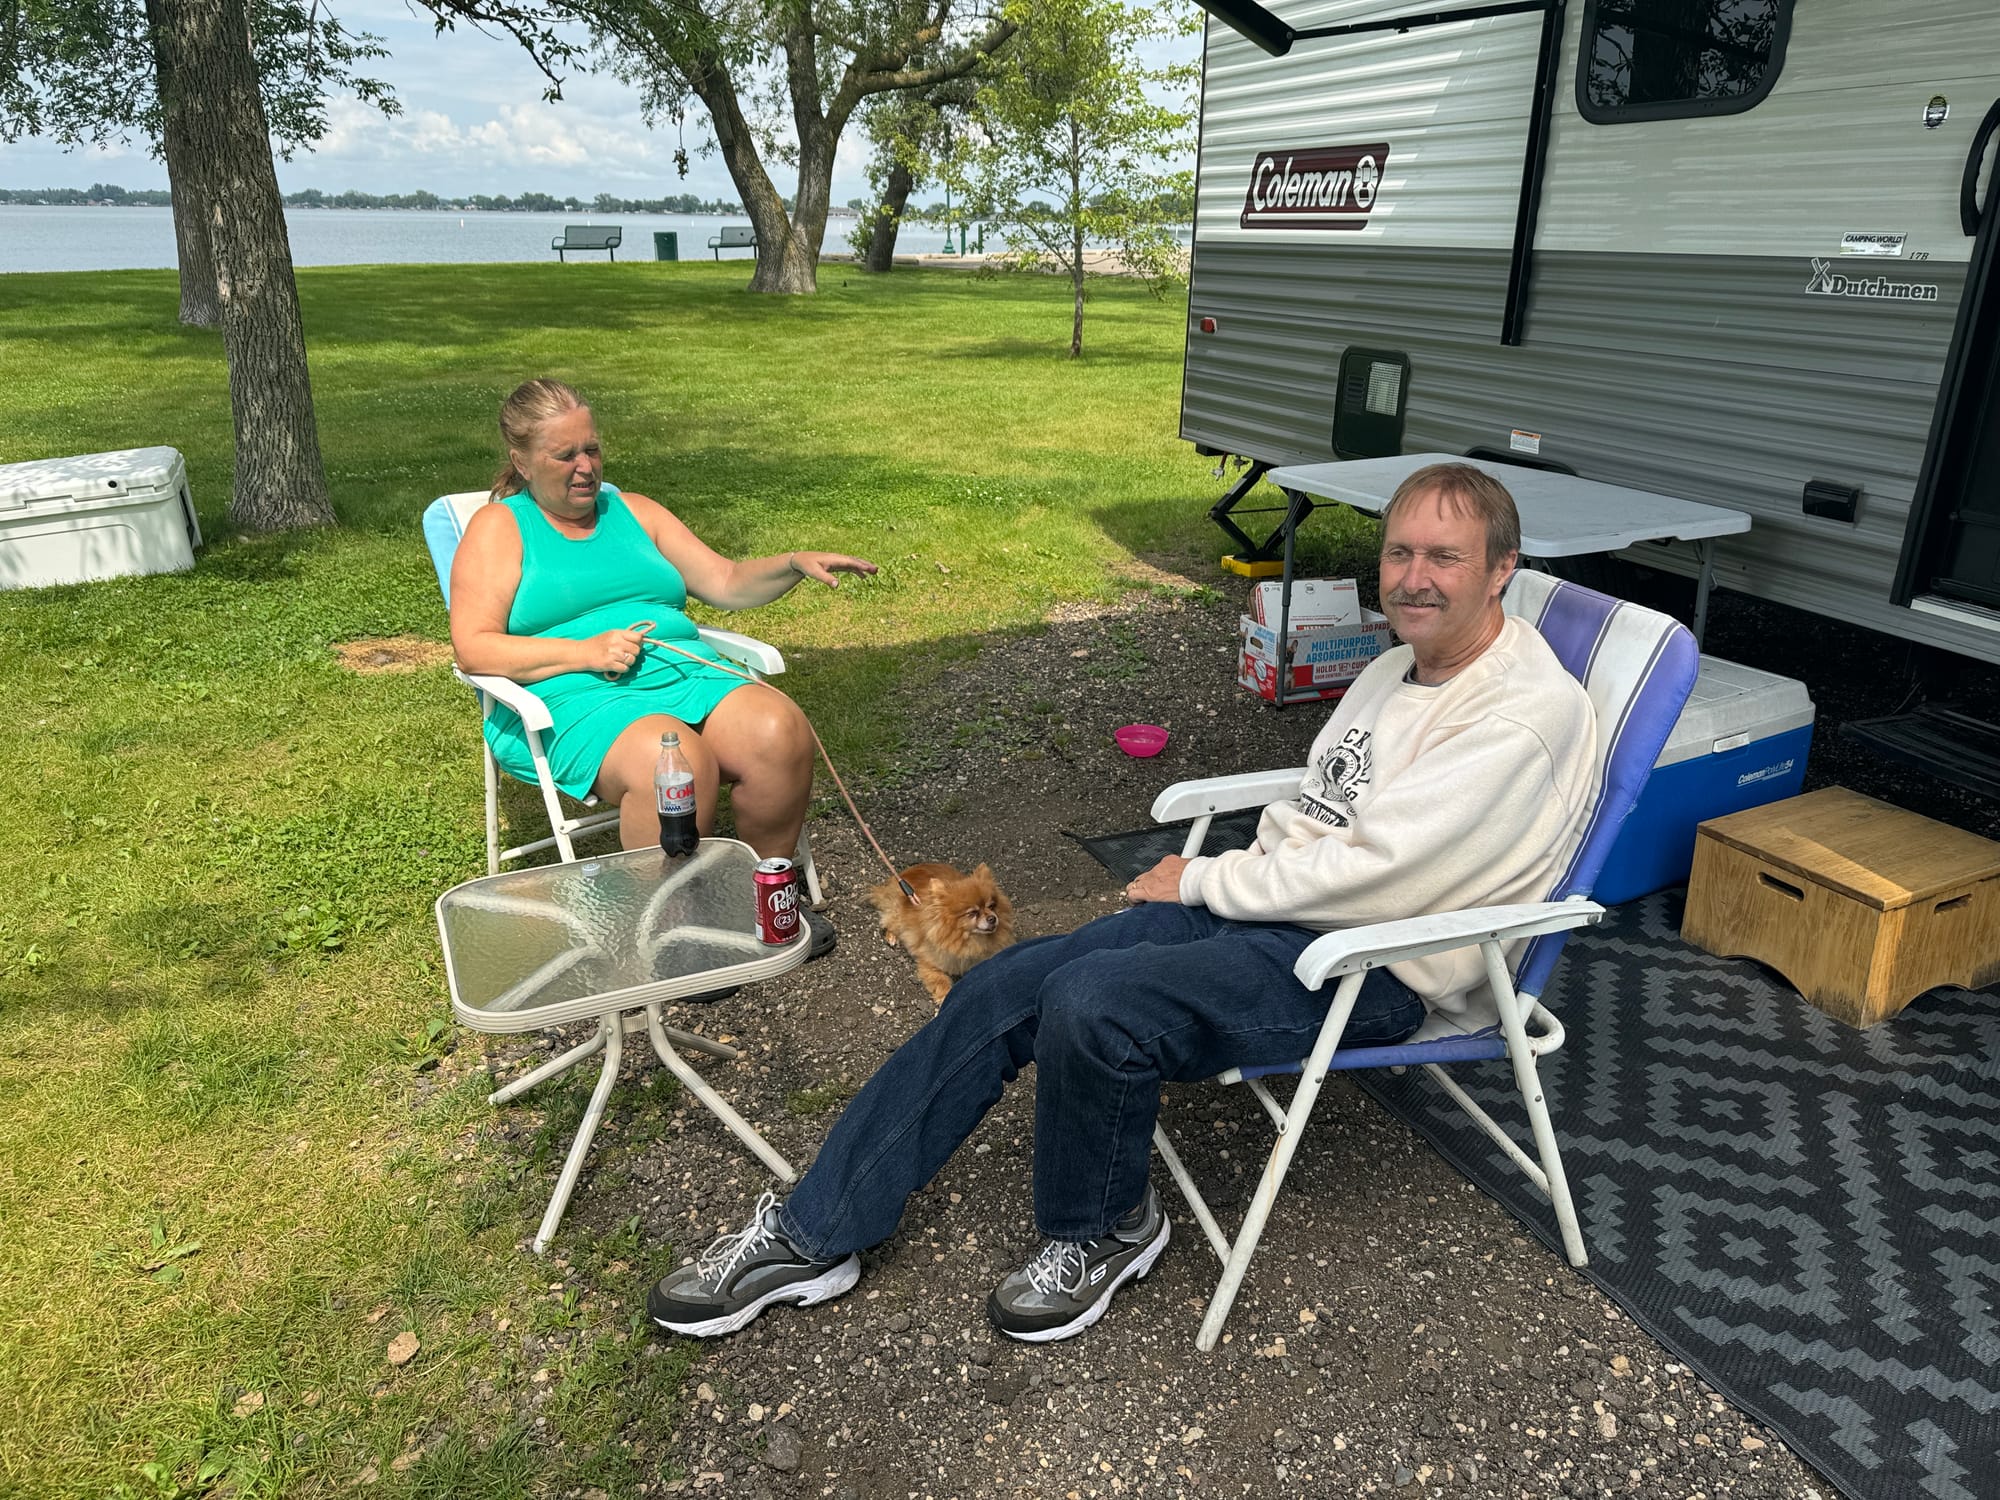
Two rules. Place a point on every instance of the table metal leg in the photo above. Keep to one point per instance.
(701, 1044)
(714, 1102)
(611, 1037)
(1704, 551)
(1299, 506)
(560, 1063)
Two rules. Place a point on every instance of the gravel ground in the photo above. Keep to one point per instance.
(1396, 1333)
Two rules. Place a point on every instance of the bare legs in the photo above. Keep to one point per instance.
(757, 740)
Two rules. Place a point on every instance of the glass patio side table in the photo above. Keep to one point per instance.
(608, 939)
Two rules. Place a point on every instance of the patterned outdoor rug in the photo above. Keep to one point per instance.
(1807, 1215)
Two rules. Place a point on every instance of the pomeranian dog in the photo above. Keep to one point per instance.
(957, 921)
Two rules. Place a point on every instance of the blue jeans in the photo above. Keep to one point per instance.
(1158, 993)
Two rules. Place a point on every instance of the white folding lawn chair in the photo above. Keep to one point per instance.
(1637, 667)
(445, 521)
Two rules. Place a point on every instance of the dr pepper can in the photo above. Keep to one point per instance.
(777, 900)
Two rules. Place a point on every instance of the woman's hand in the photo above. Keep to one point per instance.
(615, 652)
(823, 567)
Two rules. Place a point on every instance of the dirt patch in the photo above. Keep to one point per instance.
(1396, 1333)
(391, 653)
(1152, 575)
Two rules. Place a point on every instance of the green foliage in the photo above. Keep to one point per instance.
(82, 71)
(821, 1099)
(909, 134)
(189, 1059)
(1073, 113)
(786, 80)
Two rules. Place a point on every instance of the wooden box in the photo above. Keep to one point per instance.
(1859, 904)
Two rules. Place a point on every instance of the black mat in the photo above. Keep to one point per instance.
(1128, 854)
(1807, 1215)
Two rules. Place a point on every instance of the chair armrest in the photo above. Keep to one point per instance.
(534, 713)
(746, 649)
(1357, 948)
(1221, 794)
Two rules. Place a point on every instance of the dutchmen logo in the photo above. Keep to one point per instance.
(1827, 282)
(1325, 187)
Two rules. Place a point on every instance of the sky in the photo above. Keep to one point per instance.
(473, 121)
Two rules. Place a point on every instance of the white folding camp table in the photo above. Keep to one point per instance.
(1562, 515)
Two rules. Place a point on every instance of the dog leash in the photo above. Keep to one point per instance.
(861, 822)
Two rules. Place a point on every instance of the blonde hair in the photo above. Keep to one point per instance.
(521, 417)
(1466, 491)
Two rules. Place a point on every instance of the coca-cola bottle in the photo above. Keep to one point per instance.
(673, 792)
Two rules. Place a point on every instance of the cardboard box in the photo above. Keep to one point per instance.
(1315, 602)
(1318, 663)
(1262, 679)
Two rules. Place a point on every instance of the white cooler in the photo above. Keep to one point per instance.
(1740, 742)
(101, 515)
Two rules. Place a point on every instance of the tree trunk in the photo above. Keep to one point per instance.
(1076, 240)
(201, 304)
(1076, 286)
(889, 218)
(781, 266)
(280, 478)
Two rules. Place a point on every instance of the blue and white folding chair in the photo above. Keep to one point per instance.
(1637, 666)
(445, 520)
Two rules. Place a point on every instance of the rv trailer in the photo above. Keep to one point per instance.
(1739, 252)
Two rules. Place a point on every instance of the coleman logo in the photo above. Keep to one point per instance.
(1827, 282)
(1326, 187)
(1767, 773)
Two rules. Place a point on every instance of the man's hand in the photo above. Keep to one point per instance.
(1161, 883)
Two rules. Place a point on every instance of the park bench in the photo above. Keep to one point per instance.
(734, 237)
(605, 237)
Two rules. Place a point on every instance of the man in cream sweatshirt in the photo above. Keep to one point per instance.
(1458, 771)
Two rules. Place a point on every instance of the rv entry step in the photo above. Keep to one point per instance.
(1937, 739)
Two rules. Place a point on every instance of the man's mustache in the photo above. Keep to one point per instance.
(1418, 599)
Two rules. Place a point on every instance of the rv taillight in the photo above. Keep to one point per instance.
(1207, 325)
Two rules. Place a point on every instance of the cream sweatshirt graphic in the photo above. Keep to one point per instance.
(1424, 799)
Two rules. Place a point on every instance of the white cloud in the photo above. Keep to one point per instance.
(473, 121)
(520, 142)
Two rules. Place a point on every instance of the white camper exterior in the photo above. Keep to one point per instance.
(1768, 301)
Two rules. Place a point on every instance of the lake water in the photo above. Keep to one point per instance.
(51, 238)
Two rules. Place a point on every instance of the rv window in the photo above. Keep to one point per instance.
(1662, 59)
(1368, 403)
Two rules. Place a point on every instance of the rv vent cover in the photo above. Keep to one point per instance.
(1372, 394)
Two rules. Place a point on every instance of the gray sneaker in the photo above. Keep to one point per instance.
(743, 1273)
(1067, 1286)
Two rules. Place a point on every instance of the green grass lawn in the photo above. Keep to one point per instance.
(228, 1176)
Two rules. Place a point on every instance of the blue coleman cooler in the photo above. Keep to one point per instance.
(1741, 741)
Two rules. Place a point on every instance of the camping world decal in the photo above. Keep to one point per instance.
(1321, 187)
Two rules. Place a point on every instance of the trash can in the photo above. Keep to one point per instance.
(666, 244)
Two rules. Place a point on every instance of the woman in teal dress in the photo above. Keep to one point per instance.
(559, 580)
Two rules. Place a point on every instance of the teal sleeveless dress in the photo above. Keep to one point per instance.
(574, 589)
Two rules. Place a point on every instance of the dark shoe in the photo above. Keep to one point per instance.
(823, 935)
(743, 1273)
(1067, 1286)
(709, 997)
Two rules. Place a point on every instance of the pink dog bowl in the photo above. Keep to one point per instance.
(1140, 740)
